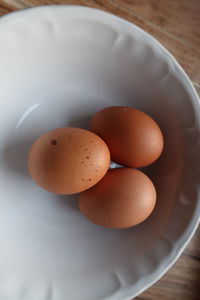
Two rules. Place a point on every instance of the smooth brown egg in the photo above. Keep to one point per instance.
(133, 138)
(68, 160)
(123, 198)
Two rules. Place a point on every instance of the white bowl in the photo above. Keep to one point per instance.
(59, 65)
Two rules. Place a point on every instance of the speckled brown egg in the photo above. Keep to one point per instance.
(133, 138)
(123, 198)
(68, 160)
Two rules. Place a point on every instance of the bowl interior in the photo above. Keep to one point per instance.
(58, 66)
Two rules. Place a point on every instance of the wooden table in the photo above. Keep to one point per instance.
(176, 24)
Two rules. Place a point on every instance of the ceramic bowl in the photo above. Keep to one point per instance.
(58, 66)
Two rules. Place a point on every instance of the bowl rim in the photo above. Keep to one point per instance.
(185, 238)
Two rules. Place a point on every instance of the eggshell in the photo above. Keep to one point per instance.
(133, 138)
(68, 160)
(123, 198)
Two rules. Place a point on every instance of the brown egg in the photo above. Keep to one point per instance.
(123, 198)
(68, 160)
(133, 138)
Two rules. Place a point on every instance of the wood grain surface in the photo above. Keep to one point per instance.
(176, 24)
